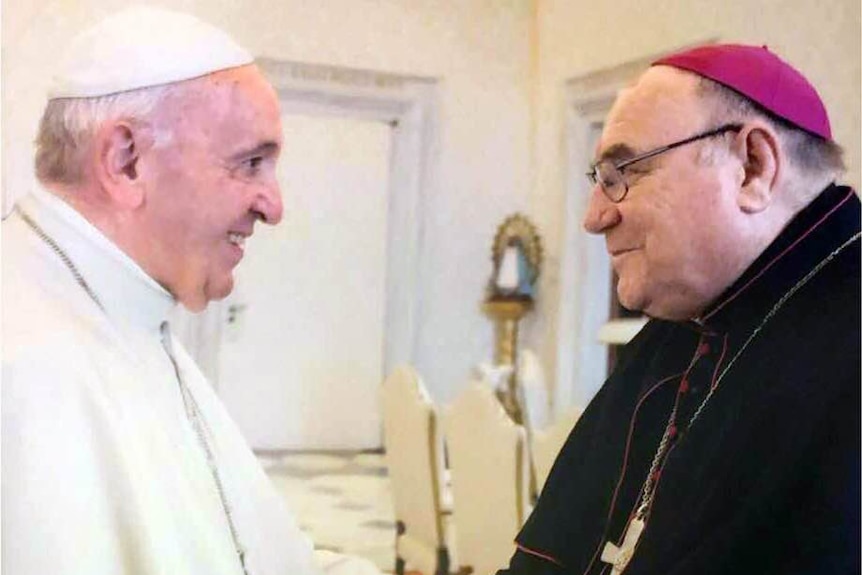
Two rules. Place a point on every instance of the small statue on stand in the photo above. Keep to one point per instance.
(517, 258)
(515, 277)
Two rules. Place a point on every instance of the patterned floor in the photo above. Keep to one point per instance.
(341, 499)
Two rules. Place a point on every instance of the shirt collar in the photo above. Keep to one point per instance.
(124, 289)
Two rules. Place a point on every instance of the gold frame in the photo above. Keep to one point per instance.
(518, 226)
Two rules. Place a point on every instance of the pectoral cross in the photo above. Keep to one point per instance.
(620, 556)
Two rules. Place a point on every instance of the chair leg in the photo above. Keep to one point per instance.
(442, 561)
(400, 528)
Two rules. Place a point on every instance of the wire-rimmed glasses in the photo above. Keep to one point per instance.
(609, 174)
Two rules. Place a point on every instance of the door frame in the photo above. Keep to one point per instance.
(409, 105)
(585, 270)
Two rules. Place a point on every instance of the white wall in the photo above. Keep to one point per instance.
(501, 66)
(479, 51)
(577, 37)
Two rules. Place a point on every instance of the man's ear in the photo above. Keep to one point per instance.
(762, 159)
(117, 153)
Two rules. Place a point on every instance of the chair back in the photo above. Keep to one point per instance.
(488, 461)
(414, 458)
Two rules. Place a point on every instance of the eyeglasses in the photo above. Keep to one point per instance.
(609, 175)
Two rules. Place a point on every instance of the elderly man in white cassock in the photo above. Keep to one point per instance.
(156, 157)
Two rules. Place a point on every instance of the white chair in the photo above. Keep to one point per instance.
(488, 460)
(534, 389)
(548, 442)
(414, 456)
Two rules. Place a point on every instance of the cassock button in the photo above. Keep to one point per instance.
(683, 386)
(703, 348)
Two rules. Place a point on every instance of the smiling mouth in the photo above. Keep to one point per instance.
(236, 239)
(616, 253)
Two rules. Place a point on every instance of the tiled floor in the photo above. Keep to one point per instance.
(341, 499)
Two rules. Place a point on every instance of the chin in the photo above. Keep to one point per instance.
(196, 300)
(195, 305)
(219, 289)
(630, 299)
(672, 309)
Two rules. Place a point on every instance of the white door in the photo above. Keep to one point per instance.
(301, 355)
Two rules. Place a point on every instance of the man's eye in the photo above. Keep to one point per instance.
(249, 167)
(254, 163)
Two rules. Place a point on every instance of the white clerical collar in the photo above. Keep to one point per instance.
(124, 289)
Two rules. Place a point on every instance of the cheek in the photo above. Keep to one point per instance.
(679, 223)
(676, 257)
(691, 255)
(204, 206)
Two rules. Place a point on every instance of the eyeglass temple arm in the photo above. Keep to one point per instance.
(663, 149)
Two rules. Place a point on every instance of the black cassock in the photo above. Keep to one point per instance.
(767, 478)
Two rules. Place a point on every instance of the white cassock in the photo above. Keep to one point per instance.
(103, 473)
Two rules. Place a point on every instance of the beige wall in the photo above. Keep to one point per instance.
(478, 49)
(501, 65)
(577, 37)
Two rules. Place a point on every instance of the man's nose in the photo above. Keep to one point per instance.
(268, 204)
(602, 213)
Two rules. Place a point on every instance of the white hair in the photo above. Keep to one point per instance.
(68, 126)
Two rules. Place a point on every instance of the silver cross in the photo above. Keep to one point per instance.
(620, 556)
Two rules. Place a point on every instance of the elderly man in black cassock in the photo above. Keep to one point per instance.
(727, 438)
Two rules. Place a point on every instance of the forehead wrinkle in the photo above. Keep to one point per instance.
(659, 108)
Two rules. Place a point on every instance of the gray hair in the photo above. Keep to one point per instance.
(813, 157)
(68, 126)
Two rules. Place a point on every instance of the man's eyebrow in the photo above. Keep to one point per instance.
(267, 148)
(617, 152)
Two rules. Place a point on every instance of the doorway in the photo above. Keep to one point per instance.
(302, 346)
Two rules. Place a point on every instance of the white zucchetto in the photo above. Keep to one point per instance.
(141, 47)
